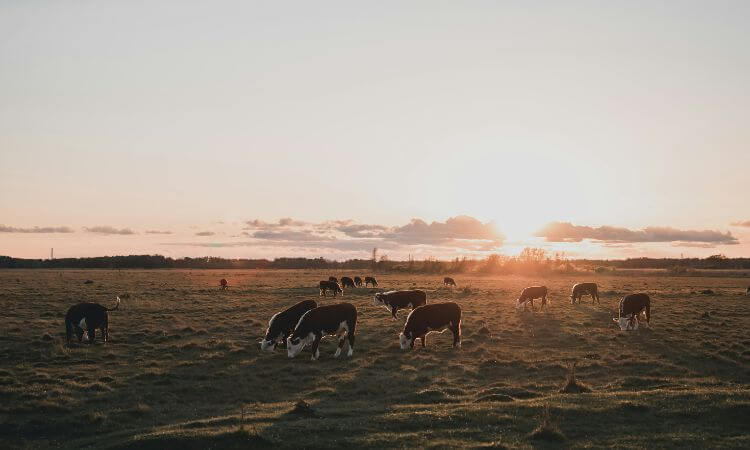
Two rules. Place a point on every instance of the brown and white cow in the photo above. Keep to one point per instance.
(631, 306)
(358, 281)
(223, 284)
(395, 300)
(331, 320)
(436, 317)
(371, 280)
(581, 289)
(330, 286)
(531, 293)
(448, 281)
(282, 324)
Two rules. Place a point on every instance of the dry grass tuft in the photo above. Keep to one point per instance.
(572, 385)
(547, 430)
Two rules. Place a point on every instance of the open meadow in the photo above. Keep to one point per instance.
(183, 366)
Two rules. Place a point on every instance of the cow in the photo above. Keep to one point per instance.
(347, 282)
(529, 294)
(395, 300)
(358, 281)
(330, 320)
(330, 286)
(334, 279)
(748, 291)
(436, 317)
(85, 318)
(448, 281)
(282, 324)
(223, 284)
(372, 280)
(631, 306)
(582, 289)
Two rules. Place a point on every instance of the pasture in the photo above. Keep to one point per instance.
(183, 367)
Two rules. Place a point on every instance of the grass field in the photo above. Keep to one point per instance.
(183, 368)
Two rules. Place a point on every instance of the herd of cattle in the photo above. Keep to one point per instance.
(306, 323)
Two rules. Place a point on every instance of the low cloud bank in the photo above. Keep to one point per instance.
(567, 232)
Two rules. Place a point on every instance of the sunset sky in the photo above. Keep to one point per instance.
(431, 128)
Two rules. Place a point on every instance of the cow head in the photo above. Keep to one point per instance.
(406, 340)
(377, 300)
(520, 304)
(295, 344)
(626, 323)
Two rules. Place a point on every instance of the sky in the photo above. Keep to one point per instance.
(425, 128)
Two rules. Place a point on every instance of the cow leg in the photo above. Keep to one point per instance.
(105, 333)
(315, 345)
(350, 341)
(92, 335)
(394, 310)
(456, 335)
(341, 344)
(423, 338)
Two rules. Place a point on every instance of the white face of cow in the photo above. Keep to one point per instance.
(268, 344)
(404, 341)
(626, 323)
(296, 344)
(520, 305)
(376, 300)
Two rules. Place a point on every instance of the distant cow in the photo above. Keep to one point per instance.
(529, 294)
(223, 284)
(331, 320)
(86, 318)
(436, 317)
(448, 281)
(582, 289)
(748, 291)
(631, 306)
(347, 282)
(334, 279)
(358, 281)
(330, 286)
(282, 324)
(372, 280)
(395, 300)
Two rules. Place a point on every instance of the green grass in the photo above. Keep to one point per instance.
(183, 368)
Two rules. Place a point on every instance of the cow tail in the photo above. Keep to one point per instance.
(116, 306)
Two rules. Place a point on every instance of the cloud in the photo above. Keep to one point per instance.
(106, 229)
(158, 232)
(567, 232)
(6, 229)
(205, 233)
(451, 232)
(742, 223)
(282, 223)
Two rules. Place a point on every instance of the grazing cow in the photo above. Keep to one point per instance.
(448, 281)
(334, 279)
(223, 284)
(748, 291)
(330, 286)
(436, 317)
(86, 318)
(529, 294)
(347, 282)
(395, 300)
(631, 306)
(581, 289)
(282, 324)
(372, 280)
(331, 320)
(358, 281)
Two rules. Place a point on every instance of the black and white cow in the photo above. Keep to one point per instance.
(282, 324)
(85, 318)
(581, 289)
(448, 281)
(436, 317)
(330, 286)
(631, 306)
(347, 282)
(395, 300)
(358, 281)
(331, 320)
(371, 280)
(529, 294)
